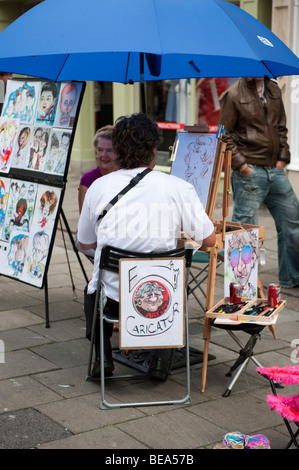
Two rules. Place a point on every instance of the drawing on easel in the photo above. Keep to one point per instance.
(67, 104)
(194, 158)
(21, 100)
(47, 104)
(8, 134)
(241, 261)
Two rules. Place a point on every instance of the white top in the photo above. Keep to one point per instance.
(148, 218)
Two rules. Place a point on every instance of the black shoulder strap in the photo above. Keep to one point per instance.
(131, 185)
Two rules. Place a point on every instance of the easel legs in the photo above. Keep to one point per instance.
(209, 304)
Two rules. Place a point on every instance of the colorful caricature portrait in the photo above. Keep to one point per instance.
(151, 299)
(8, 134)
(242, 254)
(17, 254)
(47, 103)
(48, 203)
(68, 100)
(21, 100)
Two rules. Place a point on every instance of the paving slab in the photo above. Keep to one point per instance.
(27, 429)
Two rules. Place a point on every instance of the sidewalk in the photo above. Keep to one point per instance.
(46, 403)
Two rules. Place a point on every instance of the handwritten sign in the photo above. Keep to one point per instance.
(152, 303)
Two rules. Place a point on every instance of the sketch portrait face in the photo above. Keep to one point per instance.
(194, 167)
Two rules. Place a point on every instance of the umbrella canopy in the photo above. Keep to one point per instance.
(106, 40)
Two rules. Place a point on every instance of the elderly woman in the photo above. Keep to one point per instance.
(106, 161)
(106, 164)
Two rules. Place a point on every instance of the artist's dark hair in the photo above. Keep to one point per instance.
(134, 139)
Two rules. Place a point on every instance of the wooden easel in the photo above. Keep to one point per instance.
(220, 228)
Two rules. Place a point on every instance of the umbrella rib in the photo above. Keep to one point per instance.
(67, 56)
(127, 68)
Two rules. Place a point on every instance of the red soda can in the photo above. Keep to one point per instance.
(273, 294)
(235, 292)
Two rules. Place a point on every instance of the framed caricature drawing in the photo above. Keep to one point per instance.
(37, 128)
(152, 303)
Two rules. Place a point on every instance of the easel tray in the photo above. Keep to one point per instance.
(247, 310)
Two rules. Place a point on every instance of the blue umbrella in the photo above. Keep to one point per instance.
(107, 40)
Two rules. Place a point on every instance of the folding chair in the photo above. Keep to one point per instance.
(196, 280)
(286, 406)
(110, 257)
(246, 351)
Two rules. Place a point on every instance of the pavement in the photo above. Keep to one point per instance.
(46, 403)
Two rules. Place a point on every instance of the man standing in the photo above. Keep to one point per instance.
(148, 218)
(253, 115)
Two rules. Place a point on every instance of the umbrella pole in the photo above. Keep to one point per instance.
(142, 86)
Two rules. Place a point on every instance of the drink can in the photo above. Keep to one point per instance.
(235, 292)
(273, 294)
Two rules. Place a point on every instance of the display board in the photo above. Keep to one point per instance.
(37, 127)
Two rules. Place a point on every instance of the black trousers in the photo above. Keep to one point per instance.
(113, 307)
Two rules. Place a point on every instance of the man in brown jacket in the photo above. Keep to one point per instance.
(252, 113)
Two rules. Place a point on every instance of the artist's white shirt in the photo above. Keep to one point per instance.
(148, 218)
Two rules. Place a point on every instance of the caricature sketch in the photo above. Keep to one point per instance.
(46, 206)
(38, 148)
(20, 207)
(58, 152)
(8, 134)
(21, 149)
(194, 160)
(37, 255)
(47, 104)
(16, 256)
(67, 104)
(21, 100)
(241, 262)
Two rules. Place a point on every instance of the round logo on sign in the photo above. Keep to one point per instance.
(151, 299)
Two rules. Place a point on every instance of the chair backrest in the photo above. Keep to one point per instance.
(111, 255)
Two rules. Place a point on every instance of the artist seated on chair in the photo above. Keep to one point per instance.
(102, 143)
(148, 218)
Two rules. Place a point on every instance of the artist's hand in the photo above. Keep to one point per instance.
(245, 170)
(280, 164)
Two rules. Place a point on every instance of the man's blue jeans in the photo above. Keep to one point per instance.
(271, 186)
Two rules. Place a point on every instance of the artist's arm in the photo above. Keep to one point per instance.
(210, 240)
(92, 246)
